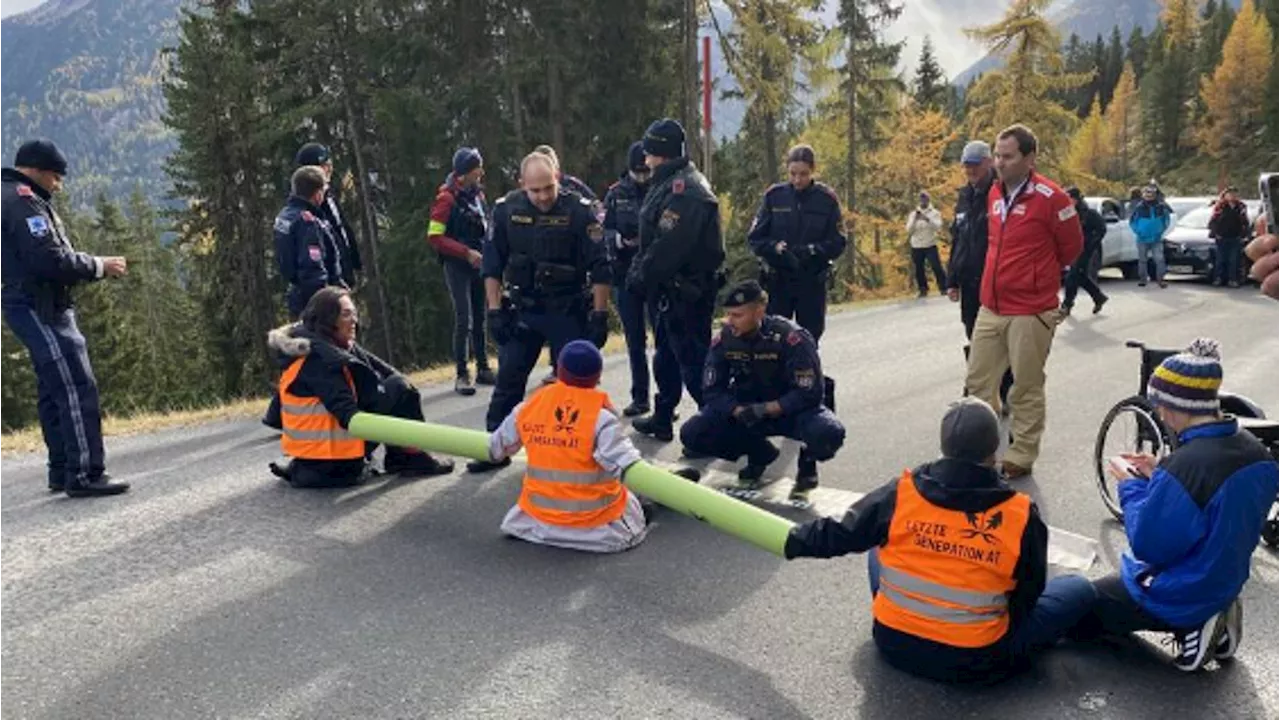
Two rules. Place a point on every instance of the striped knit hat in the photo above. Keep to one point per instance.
(1188, 382)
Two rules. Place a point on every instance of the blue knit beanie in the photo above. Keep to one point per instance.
(465, 160)
(1188, 382)
(580, 364)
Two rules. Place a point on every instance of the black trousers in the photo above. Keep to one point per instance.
(919, 256)
(1078, 277)
(466, 290)
(803, 301)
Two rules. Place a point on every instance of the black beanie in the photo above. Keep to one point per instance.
(41, 155)
(311, 154)
(635, 157)
(665, 139)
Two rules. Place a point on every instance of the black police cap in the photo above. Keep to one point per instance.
(744, 293)
(312, 154)
(41, 155)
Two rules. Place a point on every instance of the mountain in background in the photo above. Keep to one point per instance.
(86, 73)
(1087, 19)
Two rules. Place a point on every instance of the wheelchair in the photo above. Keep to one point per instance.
(1132, 426)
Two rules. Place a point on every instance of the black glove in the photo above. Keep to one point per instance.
(751, 414)
(787, 260)
(598, 328)
(791, 549)
(502, 325)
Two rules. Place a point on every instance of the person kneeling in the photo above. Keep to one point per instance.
(327, 379)
(1192, 520)
(957, 562)
(572, 495)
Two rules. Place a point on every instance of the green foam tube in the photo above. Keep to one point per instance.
(758, 527)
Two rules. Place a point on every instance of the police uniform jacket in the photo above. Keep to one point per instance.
(680, 241)
(808, 221)
(622, 222)
(39, 266)
(306, 254)
(546, 259)
(344, 239)
(777, 362)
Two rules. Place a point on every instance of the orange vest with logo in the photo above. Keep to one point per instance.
(309, 430)
(945, 574)
(563, 484)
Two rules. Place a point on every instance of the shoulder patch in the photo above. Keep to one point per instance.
(38, 225)
(307, 216)
(1066, 213)
(668, 221)
(25, 191)
(794, 337)
(1044, 190)
(677, 185)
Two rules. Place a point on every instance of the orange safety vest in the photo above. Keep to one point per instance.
(563, 484)
(309, 430)
(945, 574)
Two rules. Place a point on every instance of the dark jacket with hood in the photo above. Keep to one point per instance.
(321, 373)
(954, 485)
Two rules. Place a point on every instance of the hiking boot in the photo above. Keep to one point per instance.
(96, 487)
(655, 427)
(1097, 306)
(749, 476)
(1232, 631)
(636, 408)
(484, 466)
(416, 465)
(806, 478)
(1194, 645)
(485, 376)
(1014, 471)
(462, 385)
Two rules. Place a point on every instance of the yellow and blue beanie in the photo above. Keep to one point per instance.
(1189, 381)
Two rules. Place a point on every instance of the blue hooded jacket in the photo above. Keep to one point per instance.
(1149, 220)
(1194, 525)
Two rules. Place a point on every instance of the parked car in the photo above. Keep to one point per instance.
(1119, 246)
(1189, 249)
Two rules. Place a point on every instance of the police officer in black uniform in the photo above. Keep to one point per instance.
(38, 269)
(681, 251)
(763, 379)
(546, 249)
(798, 234)
(344, 239)
(622, 241)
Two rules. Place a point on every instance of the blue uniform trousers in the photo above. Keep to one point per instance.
(682, 338)
(715, 432)
(517, 357)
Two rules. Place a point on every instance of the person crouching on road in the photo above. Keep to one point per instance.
(1192, 520)
(572, 495)
(327, 378)
(957, 561)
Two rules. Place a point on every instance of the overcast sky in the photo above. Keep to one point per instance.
(10, 7)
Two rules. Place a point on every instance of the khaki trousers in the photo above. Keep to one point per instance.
(1020, 342)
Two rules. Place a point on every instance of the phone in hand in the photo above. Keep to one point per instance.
(1267, 190)
(1125, 468)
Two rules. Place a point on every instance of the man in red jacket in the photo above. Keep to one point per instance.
(1033, 232)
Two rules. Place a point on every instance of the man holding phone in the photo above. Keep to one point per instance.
(1192, 520)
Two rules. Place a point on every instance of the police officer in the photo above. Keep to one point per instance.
(798, 234)
(344, 239)
(622, 242)
(681, 252)
(763, 378)
(546, 248)
(38, 269)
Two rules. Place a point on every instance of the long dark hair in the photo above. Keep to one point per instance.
(321, 314)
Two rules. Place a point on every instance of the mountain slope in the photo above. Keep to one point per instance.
(86, 73)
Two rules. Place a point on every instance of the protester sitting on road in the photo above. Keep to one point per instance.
(328, 378)
(572, 495)
(957, 561)
(1192, 520)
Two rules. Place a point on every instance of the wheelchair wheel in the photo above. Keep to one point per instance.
(1131, 426)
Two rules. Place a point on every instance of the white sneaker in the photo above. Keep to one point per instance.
(1232, 631)
(1193, 646)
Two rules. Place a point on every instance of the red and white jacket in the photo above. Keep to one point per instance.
(1028, 244)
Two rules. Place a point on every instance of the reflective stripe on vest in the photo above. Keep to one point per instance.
(563, 484)
(945, 574)
(308, 430)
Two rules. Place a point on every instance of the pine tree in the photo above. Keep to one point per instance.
(1169, 86)
(930, 86)
(1113, 67)
(1215, 24)
(1136, 51)
(1235, 96)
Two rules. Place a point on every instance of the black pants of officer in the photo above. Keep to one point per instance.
(970, 304)
(518, 356)
(1078, 277)
(631, 311)
(70, 416)
(804, 302)
(716, 432)
(398, 399)
(682, 333)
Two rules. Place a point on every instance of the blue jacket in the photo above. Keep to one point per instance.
(1149, 220)
(306, 254)
(1193, 526)
(808, 220)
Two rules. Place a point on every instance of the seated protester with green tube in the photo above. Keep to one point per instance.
(327, 377)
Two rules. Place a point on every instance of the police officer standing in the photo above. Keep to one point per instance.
(545, 250)
(681, 251)
(622, 242)
(797, 234)
(39, 268)
(344, 239)
(763, 379)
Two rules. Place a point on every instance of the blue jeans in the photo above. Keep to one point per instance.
(1226, 267)
(631, 311)
(1065, 600)
(1151, 251)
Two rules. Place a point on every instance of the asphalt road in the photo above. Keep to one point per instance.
(214, 590)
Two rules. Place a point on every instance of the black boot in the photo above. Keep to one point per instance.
(636, 408)
(415, 465)
(691, 474)
(749, 476)
(657, 427)
(462, 385)
(485, 376)
(96, 487)
(806, 478)
(484, 466)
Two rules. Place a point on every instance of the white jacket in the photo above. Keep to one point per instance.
(922, 229)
